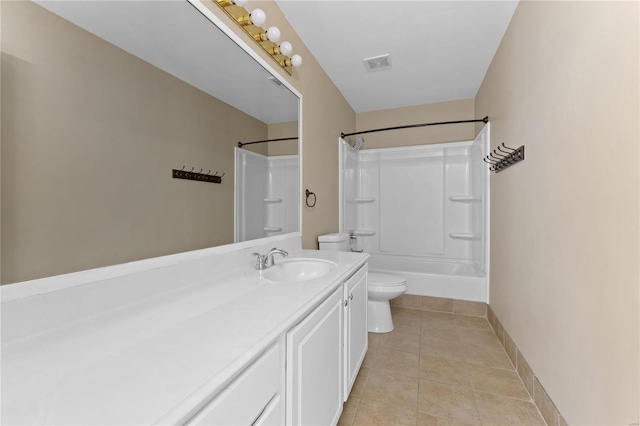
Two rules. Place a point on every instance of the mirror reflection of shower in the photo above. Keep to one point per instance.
(266, 195)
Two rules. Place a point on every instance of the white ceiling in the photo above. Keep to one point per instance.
(440, 50)
(175, 37)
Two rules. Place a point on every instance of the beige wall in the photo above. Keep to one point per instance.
(430, 113)
(564, 240)
(88, 148)
(325, 115)
(283, 130)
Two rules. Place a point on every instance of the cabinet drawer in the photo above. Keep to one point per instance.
(246, 398)
(272, 415)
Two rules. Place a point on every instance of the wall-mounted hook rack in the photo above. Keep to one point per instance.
(501, 159)
(199, 176)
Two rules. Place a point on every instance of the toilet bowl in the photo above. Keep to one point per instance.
(381, 287)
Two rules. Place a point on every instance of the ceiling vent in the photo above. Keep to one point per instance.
(378, 63)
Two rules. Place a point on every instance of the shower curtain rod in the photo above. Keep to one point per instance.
(484, 120)
(241, 144)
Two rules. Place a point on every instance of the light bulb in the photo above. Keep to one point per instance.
(241, 3)
(258, 17)
(273, 34)
(286, 48)
(296, 60)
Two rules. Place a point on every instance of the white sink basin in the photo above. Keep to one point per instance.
(299, 270)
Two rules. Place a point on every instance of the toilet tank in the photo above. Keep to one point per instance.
(337, 241)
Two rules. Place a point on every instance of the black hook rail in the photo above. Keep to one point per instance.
(410, 126)
(501, 159)
(199, 176)
(241, 144)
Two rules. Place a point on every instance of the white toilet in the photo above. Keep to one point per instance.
(381, 287)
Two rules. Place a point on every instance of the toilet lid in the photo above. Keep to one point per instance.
(379, 278)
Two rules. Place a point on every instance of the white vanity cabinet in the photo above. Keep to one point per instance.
(315, 365)
(323, 354)
(355, 326)
(236, 348)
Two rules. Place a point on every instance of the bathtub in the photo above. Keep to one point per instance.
(452, 280)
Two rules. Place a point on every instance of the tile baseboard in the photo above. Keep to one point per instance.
(441, 304)
(531, 382)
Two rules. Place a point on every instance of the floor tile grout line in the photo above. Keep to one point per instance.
(440, 312)
(490, 331)
(475, 400)
(504, 396)
(510, 371)
(380, 402)
(402, 350)
(355, 412)
(505, 353)
(464, 359)
(418, 393)
(468, 376)
(515, 399)
(395, 372)
(458, 387)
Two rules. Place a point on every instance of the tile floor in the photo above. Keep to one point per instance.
(438, 369)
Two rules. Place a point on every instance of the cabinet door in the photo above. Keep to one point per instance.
(314, 365)
(356, 336)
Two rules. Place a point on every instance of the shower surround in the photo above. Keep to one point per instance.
(421, 212)
(266, 195)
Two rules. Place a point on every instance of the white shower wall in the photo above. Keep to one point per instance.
(348, 186)
(419, 210)
(479, 181)
(266, 195)
(407, 203)
(282, 208)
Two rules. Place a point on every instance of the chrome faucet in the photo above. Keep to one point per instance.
(266, 261)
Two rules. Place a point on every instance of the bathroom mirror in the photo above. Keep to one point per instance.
(101, 101)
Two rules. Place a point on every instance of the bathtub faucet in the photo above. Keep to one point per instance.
(266, 261)
(353, 240)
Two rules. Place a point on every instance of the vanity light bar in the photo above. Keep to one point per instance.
(251, 23)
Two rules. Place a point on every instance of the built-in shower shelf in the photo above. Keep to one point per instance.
(363, 200)
(273, 228)
(464, 198)
(364, 233)
(464, 236)
(273, 200)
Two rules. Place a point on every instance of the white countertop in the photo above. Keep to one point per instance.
(153, 361)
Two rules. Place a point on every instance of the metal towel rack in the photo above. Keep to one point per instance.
(501, 159)
(199, 176)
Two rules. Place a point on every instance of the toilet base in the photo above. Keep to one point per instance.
(379, 316)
